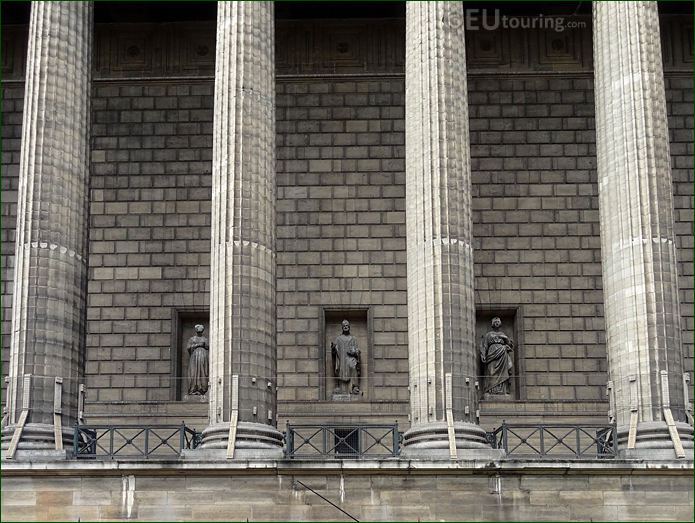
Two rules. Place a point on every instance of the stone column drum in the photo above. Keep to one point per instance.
(643, 330)
(50, 274)
(242, 301)
(441, 309)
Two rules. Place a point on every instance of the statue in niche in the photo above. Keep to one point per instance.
(346, 362)
(198, 372)
(496, 353)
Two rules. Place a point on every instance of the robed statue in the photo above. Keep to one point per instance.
(346, 362)
(496, 353)
(198, 351)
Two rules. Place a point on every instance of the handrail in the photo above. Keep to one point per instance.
(133, 441)
(348, 441)
(556, 440)
(342, 441)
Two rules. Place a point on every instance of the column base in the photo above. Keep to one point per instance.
(654, 441)
(37, 443)
(431, 441)
(253, 441)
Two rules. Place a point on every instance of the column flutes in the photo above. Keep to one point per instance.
(642, 313)
(50, 274)
(242, 301)
(441, 308)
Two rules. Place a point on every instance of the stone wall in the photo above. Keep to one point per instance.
(149, 231)
(679, 101)
(12, 104)
(537, 244)
(471, 495)
(341, 226)
(341, 229)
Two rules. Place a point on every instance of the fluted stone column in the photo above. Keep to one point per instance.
(242, 301)
(643, 329)
(50, 275)
(441, 309)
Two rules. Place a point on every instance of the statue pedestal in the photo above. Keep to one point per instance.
(345, 397)
(195, 398)
(497, 397)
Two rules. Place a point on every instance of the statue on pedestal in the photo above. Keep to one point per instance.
(496, 353)
(198, 371)
(346, 363)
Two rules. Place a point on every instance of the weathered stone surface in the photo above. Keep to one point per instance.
(50, 277)
(441, 302)
(535, 228)
(346, 364)
(450, 495)
(242, 261)
(640, 272)
(198, 367)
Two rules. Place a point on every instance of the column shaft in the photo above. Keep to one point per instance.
(50, 275)
(643, 331)
(242, 302)
(441, 308)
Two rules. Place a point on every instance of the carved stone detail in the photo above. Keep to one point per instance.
(199, 365)
(346, 364)
(330, 47)
(496, 354)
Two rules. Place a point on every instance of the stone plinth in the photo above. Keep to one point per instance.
(367, 489)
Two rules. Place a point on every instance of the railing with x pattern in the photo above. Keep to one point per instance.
(341, 441)
(556, 441)
(347, 441)
(124, 442)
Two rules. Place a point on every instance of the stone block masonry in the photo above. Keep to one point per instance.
(512, 494)
(536, 227)
(341, 226)
(150, 231)
(679, 107)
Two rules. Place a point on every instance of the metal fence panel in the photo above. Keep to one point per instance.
(556, 441)
(341, 441)
(125, 442)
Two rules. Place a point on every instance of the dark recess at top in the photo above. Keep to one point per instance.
(163, 11)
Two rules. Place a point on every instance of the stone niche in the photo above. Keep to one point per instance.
(511, 326)
(183, 323)
(361, 328)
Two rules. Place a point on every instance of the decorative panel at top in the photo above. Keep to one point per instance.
(343, 47)
(359, 46)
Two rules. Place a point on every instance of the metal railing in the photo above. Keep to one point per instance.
(347, 441)
(556, 441)
(133, 441)
(341, 441)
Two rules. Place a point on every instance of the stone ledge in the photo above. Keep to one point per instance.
(386, 466)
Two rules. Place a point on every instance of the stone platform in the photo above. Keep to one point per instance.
(368, 490)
